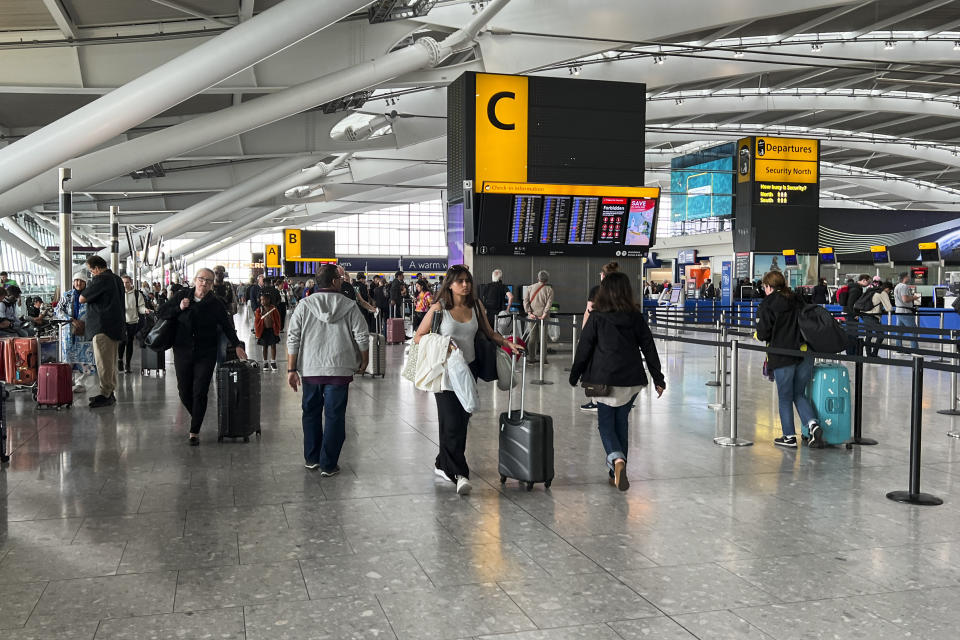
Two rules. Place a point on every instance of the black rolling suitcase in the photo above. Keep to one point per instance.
(238, 400)
(526, 441)
(155, 361)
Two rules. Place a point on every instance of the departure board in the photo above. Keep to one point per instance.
(556, 220)
(526, 219)
(526, 214)
(583, 220)
(612, 214)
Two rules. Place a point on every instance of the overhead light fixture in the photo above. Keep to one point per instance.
(738, 54)
(388, 10)
(816, 47)
(956, 45)
(346, 103)
(659, 59)
(889, 44)
(152, 171)
(679, 101)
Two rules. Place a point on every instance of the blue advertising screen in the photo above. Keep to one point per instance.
(455, 233)
(702, 190)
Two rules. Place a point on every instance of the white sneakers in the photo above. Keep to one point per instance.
(463, 485)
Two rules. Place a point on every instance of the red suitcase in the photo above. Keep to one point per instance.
(55, 385)
(26, 360)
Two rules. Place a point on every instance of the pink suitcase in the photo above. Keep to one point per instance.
(55, 385)
(396, 331)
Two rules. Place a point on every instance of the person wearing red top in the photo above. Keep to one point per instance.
(266, 324)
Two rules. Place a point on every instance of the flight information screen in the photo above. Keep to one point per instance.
(554, 220)
(583, 220)
(526, 215)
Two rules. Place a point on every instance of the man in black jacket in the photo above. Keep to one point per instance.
(854, 292)
(707, 290)
(105, 326)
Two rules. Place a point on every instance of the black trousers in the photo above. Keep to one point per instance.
(282, 312)
(452, 458)
(126, 345)
(852, 328)
(874, 335)
(194, 372)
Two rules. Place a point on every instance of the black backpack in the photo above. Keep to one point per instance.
(493, 295)
(820, 330)
(865, 301)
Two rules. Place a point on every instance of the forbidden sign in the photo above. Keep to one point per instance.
(292, 243)
(272, 255)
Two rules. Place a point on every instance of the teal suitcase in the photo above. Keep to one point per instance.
(829, 392)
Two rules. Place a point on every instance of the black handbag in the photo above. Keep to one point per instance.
(162, 336)
(596, 390)
(484, 364)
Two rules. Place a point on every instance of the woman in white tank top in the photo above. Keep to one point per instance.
(463, 316)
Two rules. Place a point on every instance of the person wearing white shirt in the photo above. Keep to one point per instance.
(135, 308)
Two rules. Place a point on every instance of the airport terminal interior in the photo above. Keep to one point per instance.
(723, 155)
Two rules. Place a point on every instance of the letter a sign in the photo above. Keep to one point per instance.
(272, 255)
(291, 244)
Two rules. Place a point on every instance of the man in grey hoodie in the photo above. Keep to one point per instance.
(326, 344)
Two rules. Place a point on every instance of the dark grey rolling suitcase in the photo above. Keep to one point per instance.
(154, 361)
(526, 441)
(238, 400)
(376, 365)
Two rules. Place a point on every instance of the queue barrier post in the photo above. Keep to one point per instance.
(732, 440)
(954, 410)
(941, 358)
(573, 355)
(914, 495)
(543, 356)
(721, 403)
(858, 406)
(718, 377)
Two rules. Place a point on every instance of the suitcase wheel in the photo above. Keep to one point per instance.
(258, 433)
(219, 438)
(503, 479)
(246, 438)
(4, 459)
(546, 485)
(529, 486)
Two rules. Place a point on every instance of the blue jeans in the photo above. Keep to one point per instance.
(613, 429)
(791, 388)
(906, 320)
(324, 401)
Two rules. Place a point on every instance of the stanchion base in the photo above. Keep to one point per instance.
(861, 441)
(713, 383)
(922, 499)
(949, 412)
(540, 383)
(953, 434)
(725, 441)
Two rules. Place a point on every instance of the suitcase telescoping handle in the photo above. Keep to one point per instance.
(523, 383)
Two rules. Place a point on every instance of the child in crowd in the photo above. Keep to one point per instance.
(266, 322)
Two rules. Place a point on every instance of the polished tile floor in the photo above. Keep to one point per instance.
(112, 528)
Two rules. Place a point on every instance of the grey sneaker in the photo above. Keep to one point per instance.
(313, 466)
(327, 473)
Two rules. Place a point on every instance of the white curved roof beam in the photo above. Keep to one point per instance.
(900, 17)
(166, 86)
(724, 32)
(811, 25)
(60, 16)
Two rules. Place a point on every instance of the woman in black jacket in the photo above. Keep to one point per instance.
(608, 354)
(820, 292)
(777, 325)
(199, 313)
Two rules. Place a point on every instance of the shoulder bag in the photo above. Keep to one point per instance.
(410, 366)
(162, 335)
(485, 351)
(592, 390)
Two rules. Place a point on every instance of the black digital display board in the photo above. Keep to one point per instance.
(565, 222)
(318, 245)
(785, 194)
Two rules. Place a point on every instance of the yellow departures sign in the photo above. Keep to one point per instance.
(501, 128)
(789, 160)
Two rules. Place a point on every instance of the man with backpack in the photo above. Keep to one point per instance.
(495, 297)
(854, 293)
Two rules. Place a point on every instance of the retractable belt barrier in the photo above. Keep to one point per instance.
(913, 495)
